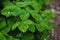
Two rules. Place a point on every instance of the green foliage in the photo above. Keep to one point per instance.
(25, 20)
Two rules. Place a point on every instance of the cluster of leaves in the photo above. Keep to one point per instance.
(25, 20)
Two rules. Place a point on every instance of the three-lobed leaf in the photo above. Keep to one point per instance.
(23, 27)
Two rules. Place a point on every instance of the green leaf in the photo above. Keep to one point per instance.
(27, 36)
(40, 28)
(11, 10)
(23, 27)
(8, 3)
(7, 9)
(6, 29)
(36, 16)
(18, 35)
(24, 15)
(32, 28)
(2, 37)
(29, 22)
(15, 25)
(10, 22)
(23, 4)
(12, 38)
(2, 24)
(35, 5)
(16, 11)
(47, 14)
(6, 12)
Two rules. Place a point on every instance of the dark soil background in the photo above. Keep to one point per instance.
(55, 34)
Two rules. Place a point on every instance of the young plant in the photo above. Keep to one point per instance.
(25, 20)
